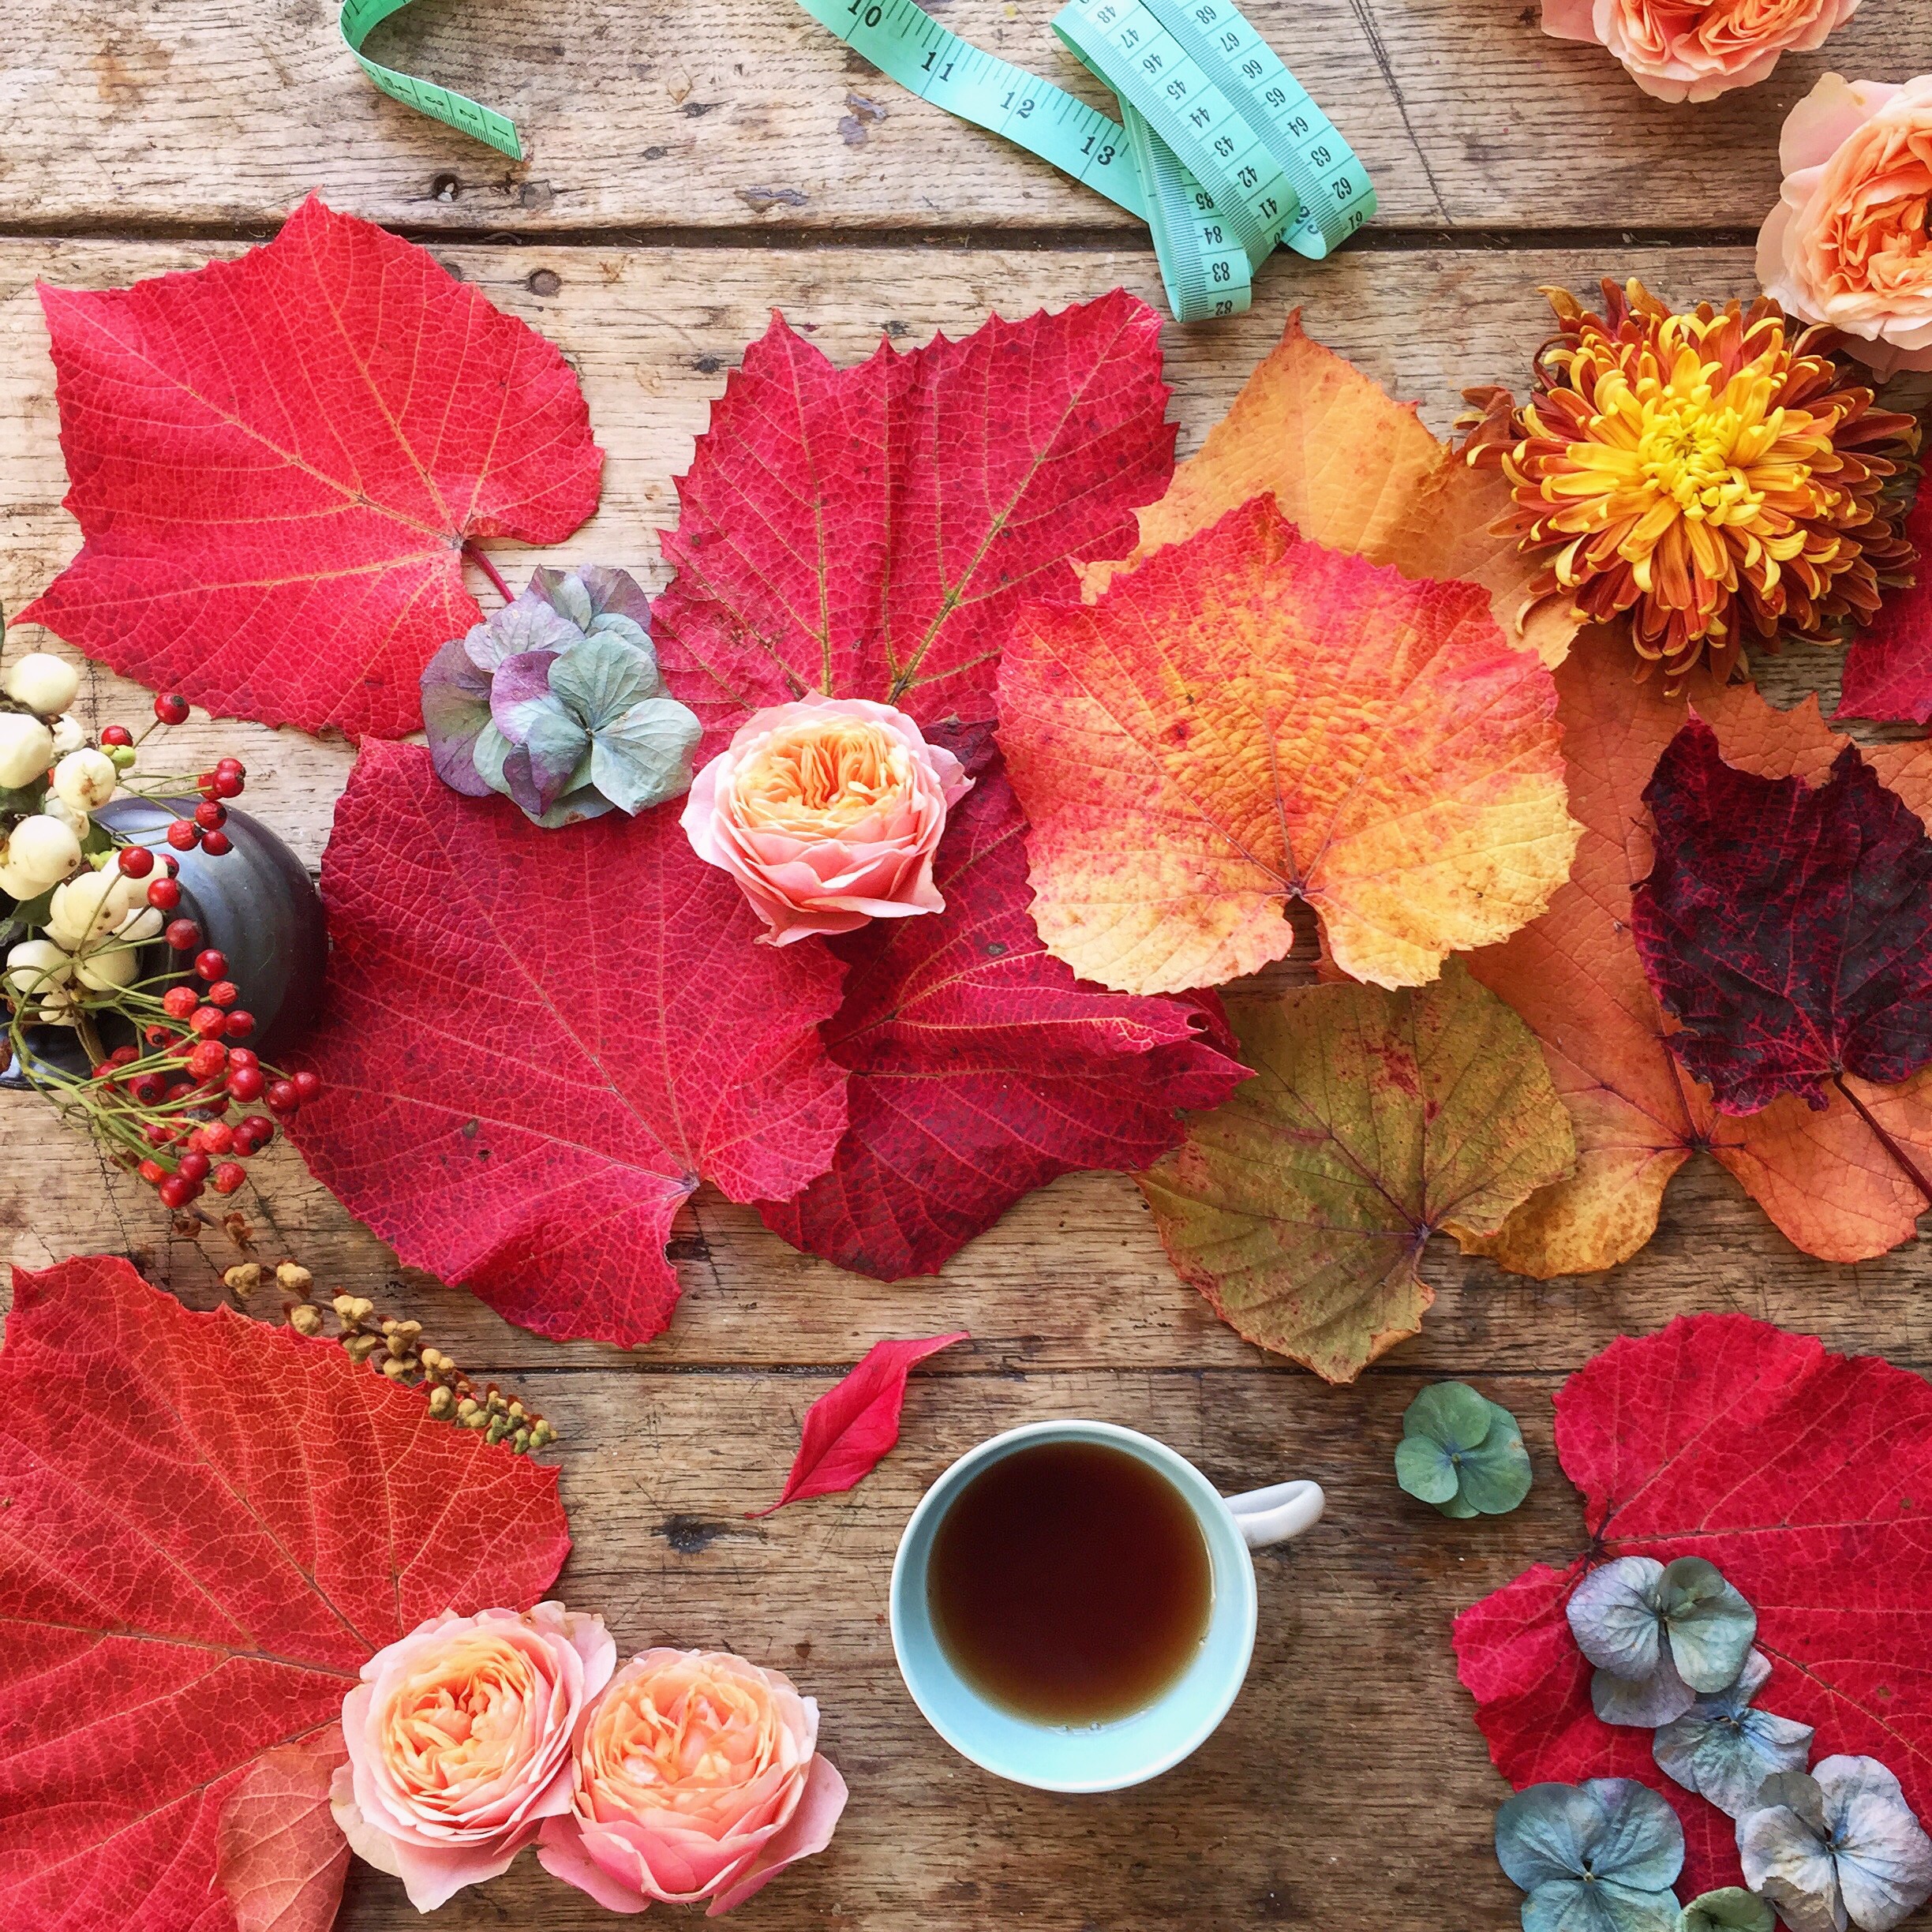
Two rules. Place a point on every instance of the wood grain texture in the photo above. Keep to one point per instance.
(730, 113)
(1348, 1792)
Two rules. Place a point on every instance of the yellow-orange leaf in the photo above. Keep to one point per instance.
(1249, 718)
(1354, 469)
(1574, 974)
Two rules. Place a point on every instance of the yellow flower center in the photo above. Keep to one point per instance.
(819, 779)
(465, 1719)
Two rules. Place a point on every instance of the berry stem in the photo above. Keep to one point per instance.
(474, 551)
(1906, 1164)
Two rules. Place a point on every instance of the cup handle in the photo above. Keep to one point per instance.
(1266, 1516)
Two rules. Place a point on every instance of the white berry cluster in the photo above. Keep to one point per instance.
(96, 918)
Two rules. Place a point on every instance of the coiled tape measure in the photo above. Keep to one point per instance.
(1219, 149)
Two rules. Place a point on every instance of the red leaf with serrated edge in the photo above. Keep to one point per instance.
(1786, 926)
(279, 1853)
(868, 532)
(275, 462)
(210, 1525)
(981, 1068)
(1888, 668)
(855, 1422)
(534, 1044)
(1806, 1477)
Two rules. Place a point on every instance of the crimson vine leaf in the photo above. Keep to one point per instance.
(1805, 1478)
(209, 1525)
(869, 532)
(535, 1044)
(980, 1067)
(275, 463)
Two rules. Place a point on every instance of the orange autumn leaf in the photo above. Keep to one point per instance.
(1352, 468)
(1574, 974)
(1249, 718)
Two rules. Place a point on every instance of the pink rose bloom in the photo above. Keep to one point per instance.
(460, 1737)
(1846, 243)
(827, 812)
(698, 1778)
(1696, 49)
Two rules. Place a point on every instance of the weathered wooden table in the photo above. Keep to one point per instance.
(693, 163)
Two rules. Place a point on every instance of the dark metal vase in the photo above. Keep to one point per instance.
(256, 903)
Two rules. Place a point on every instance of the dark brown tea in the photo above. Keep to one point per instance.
(1069, 1583)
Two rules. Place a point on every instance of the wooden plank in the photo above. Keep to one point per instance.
(1347, 1790)
(726, 114)
(1073, 1277)
(654, 332)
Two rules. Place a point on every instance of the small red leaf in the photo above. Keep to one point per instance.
(1805, 1478)
(208, 1526)
(275, 462)
(534, 1044)
(279, 1853)
(853, 1423)
(869, 533)
(981, 1068)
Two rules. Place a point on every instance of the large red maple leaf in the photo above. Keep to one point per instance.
(534, 1045)
(869, 533)
(275, 462)
(981, 1068)
(207, 1526)
(1806, 1478)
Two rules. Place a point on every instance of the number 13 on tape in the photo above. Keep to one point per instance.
(1219, 148)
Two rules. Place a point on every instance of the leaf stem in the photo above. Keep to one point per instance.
(474, 551)
(1906, 1164)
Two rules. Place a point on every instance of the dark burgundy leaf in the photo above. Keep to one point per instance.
(1788, 927)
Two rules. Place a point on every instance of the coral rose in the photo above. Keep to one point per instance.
(460, 1739)
(827, 812)
(698, 1778)
(1846, 243)
(1696, 49)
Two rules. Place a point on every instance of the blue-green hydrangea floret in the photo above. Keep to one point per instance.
(1601, 1856)
(1461, 1453)
(1660, 1635)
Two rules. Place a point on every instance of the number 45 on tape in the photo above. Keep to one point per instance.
(1219, 149)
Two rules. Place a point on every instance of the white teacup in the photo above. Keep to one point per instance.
(1129, 1750)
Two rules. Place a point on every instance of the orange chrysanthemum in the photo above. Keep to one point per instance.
(1709, 476)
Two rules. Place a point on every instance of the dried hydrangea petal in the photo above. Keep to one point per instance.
(1731, 1910)
(1723, 1751)
(1710, 1625)
(1840, 1847)
(1645, 1702)
(1597, 1857)
(1613, 1615)
(1462, 1453)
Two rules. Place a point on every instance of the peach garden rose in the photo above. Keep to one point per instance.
(1696, 49)
(460, 1737)
(828, 813)
(1846, 244)
(697, 1777)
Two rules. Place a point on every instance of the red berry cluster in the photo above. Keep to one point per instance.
(176, 1097)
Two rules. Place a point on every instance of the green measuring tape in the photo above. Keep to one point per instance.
(359, 18)
(1219, 149)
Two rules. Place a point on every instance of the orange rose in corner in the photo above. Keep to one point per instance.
(698, 1778)
(1846, 244)
(1696, 49)
(460, 1737)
